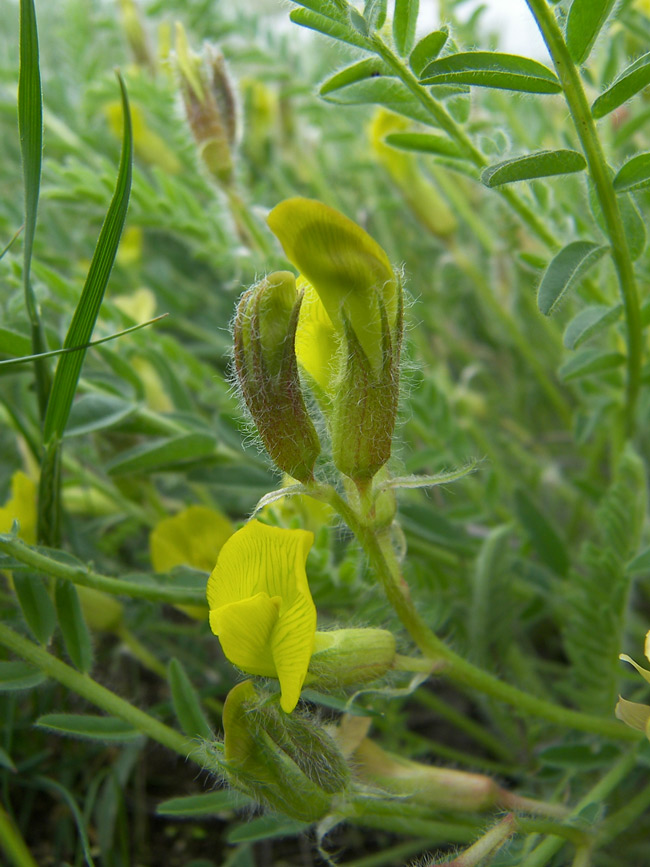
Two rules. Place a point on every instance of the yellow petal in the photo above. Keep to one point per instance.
(642, 671)
(194, 537)
(347, 267)
(244, 629)
(292, 644)
(257, 559)
(316, 340)
(633, 714)
(21, 507)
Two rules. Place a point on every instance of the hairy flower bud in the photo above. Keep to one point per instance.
(350, 657)
(209, 105)
(267, 373)
(284, 761)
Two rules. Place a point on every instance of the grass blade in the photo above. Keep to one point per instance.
(30, 127)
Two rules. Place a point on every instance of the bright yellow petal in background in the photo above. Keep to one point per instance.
(343, 263)
(261, 568)
(21, 507)
(316, 340)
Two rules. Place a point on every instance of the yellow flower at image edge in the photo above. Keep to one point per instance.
(632, 713)
(261, 607)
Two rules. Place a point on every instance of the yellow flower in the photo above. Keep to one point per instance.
(21, 507)
(632, 713)
(348, 269)
(261, 607)
(193, 537)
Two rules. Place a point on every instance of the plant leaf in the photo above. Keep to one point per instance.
(19, 675)
(590, 321)
(329, 27)
(424, 143)
(85, 315)
(163, 454)
(374, 13)
(389, 92)
(538, 165)
(492, 69)
(186, 703)
(266, 828)
(584, 22)
(630, 81)
(544, 537)
(36, 605)
(94, 412)
(371, 67)
(405, 19)
(565, 269)
(102, 728)
(207, 804)
(634, 175)
(73, 626)
(589, 362)
(427, 50)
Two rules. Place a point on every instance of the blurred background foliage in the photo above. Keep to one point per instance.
(497, 561)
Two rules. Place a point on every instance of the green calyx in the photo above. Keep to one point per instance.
(350, 657)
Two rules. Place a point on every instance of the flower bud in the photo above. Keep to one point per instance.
(358, 309)
(136, 34)
(267, 372)
(209, 105)
(350, 657)
(284, 761)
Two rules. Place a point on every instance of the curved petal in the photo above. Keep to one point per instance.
(259, 558)
(245, 629)
(193, 537)
(316, 340)
(292, 644)
(342, 262)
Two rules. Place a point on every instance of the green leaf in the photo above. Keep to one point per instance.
(5, 761)
(73, 626)
(208, 804)
(632, 220)
(374, 12)
(425, 143)
(186, 703)
(163, 454)
(329, 27)
(36, 605)
(371, 67)
(101, 728)
(581, 756)
(405, 20)
(389, 92)
(427, 50)
(590, 321)
(13, 343)
(630, 81)
(19, 675)
(87, 310)
(640, 563)
(30, 127)
(329, 8)
(492, 69)
(565, 269)
(589, 362)
(584, 22)
(544, 537)
(93, 412)
(266, 828)
(634, 175)
(538, 165)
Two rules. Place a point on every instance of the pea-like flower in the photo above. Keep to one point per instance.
(632, 713)
(261, 607)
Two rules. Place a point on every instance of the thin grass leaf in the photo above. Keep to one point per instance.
(30, 127)
(187, 706)
(67, 796)
(87, 310)
(11, 242)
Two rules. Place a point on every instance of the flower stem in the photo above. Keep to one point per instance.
(601, 177)
(84, 577)
(98, 695)
(378, 548)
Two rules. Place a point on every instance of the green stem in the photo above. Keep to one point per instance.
(378, 549)
(98, 695)
(623, 818)
(84, 577)
(13, 844)
(446, 122)
(144, 656)
(601, 177)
